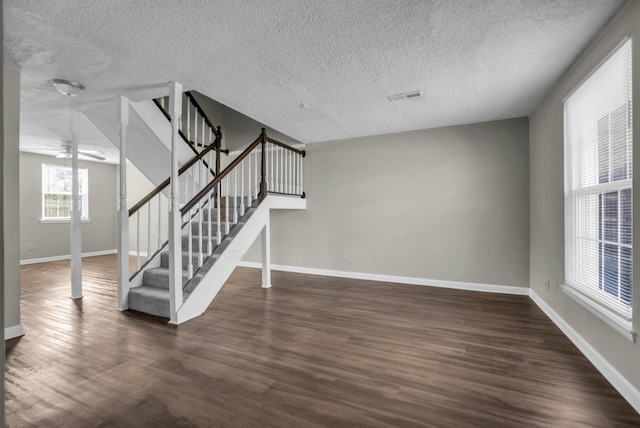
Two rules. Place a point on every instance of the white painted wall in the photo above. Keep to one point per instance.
(448, 204)
(547, 199)
(53, 239)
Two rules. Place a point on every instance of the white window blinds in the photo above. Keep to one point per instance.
(598, 176)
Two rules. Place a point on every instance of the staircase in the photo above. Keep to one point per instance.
(152, 295)
(185, 255)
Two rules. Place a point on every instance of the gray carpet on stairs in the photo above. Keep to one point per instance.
(152, 297)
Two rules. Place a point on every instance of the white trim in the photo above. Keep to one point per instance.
(619, 382)
(65, 257)
(613, 320)
(60, 220)
(457, 285)
(13, 332)
(135, 253)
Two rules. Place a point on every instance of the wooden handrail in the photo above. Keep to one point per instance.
(224, 173)
(283, 145)
(166, 182)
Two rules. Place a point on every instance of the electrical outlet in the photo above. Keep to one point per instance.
(548, 284)
(347, 256)
(30, 246)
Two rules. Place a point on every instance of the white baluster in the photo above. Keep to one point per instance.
(301, 175)
(226, 206)
(138, 241)
(189, 246)
(204, 141)
(200, 258)
(235, 196)
(159, 221)
(250, 179)
(255, 172)
(298, 163)
(218, 232)
(148, 230)
(288, 171)
(271, 172)
(242, 188)
(209, 206)
(188, 123)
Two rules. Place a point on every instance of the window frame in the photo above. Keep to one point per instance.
(83, 176)
(597, 301)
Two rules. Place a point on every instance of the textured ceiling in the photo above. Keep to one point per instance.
(316, 70)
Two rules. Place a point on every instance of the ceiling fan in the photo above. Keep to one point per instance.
(65, 151)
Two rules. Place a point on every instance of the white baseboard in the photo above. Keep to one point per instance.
(13, 331)
(469, 286)
(135, 253)
(619, 382)
(65, 257)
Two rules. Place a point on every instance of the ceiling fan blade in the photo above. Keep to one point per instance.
(62, 156)
(90, 155)
(93, 152)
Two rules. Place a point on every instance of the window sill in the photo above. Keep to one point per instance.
(620, 325)
(62, 220)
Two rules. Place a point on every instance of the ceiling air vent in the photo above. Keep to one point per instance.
(407, 96)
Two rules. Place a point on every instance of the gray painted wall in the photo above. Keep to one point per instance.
(547, 198)
(11, 219)
(446, 204)
(53, 239)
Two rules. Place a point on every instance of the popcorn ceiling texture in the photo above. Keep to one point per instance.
(475, 61)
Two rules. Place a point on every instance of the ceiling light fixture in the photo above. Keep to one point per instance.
(67, 87)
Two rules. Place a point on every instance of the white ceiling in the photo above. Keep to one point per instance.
(316, 70)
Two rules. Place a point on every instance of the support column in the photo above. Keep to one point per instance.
(123, 212)
(175, 218)
(266, 253)
(76, 214)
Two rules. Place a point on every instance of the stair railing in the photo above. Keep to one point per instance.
(146, 242)
(265, 166)
(195, 128)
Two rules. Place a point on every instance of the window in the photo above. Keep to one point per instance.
(598, 190)
(56, 192)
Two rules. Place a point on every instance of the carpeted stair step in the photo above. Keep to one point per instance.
(159, 277)
(150, 300)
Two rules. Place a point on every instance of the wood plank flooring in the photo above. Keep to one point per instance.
(310, 352)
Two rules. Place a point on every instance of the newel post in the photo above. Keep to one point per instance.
(175, 217)
(263, 169)
(123, 213)
(218, 144)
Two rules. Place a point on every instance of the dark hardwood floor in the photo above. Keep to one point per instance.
(310, 352)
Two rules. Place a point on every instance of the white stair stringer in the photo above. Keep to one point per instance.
(211, 283)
